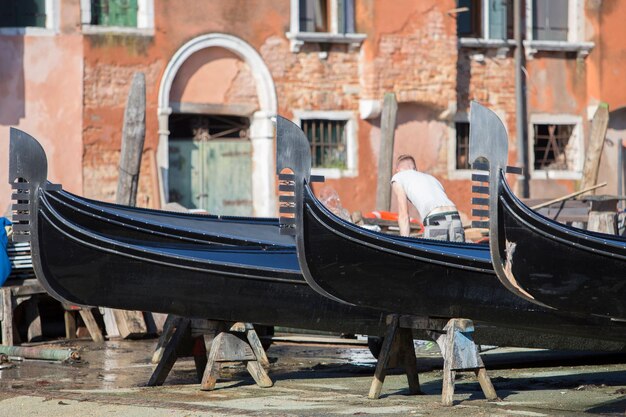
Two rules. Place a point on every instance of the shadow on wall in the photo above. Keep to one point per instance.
(12, 92)
(616, 132)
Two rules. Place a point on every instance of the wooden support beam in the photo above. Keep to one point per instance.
(397, 350)
(385, 155)
(7, 316)
(132, 323)
(599, 125)
(33, 319)
(92, 325)
(170, 353)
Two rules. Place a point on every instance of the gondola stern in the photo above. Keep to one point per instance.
(488, 151)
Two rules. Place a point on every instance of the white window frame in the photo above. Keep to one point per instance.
(297, 38)
(575, 35)
(453, 172)
(53, 13)
(145, 20)
(352, 147)
(577, 137)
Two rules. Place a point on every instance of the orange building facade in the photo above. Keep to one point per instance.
(217, 73)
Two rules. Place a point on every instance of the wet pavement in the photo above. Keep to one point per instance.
(312, 380)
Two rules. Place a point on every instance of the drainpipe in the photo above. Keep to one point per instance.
(520, 99)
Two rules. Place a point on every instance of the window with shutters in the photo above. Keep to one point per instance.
(332, 135)
(22, 13)
(549, 25)
(556, 146)
(324, 22)
(114, 13)
(127, 16)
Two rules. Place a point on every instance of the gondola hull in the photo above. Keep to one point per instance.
(412, 276)
(540, 260)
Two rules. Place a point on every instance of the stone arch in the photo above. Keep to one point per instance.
(261, 126)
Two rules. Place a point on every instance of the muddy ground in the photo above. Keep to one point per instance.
(312, 380)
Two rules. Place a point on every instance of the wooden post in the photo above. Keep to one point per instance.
(599, 124)
(133, 136)
(132, 323)
(397, 350)
(91, 324)
(385, 156)
(7, 316)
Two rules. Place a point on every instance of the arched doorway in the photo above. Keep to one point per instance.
(193, 107)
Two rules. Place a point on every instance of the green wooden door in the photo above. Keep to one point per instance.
(213, 175)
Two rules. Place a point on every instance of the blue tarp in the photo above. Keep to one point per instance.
(5, 265)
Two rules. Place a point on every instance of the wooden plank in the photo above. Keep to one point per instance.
(385, 155)
(257, 347)
(33, 319)
(258, 374)
(70, 324)
(92, 325)
(130, 323)
(599, 125)
(169, 354)
(7, 317)
(384, 358)
(486, 384)
(169, 327)
(409, 361)
(133, 137)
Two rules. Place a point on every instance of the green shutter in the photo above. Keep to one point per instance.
(21, 13)
(114, 12)
(497, 19)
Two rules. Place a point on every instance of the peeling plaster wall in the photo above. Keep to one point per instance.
(215, 76)
(41, 93)
(411, 49)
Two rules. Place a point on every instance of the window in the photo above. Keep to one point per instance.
(550, 20)
(114, 13)
(323, 21)
(469, 20)
(333, 139)
(498, 19)
(22, 13)
(126, 16)
(328, 142)
(462, 145)
(550, 145)
(555, 146)
(317, 16)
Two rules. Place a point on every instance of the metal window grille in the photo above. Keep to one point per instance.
(208, 127)
(328, 142)
(462, 145)
(550, 145)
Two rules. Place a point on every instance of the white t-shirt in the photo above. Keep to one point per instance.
(422, 190)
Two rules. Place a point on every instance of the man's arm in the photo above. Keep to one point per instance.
(403, 209)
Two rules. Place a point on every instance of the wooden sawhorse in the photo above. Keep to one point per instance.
(457, 346)
(216, 342)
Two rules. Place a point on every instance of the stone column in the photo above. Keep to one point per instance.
(263, 165)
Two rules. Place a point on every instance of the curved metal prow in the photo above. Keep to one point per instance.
(293, 150)
(28, 169)
(489, 141)
(293, 166)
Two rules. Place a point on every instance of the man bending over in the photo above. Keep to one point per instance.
(439, 215)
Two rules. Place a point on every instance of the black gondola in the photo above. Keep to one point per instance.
(412, 276)
(136, 271)
(536, 258)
